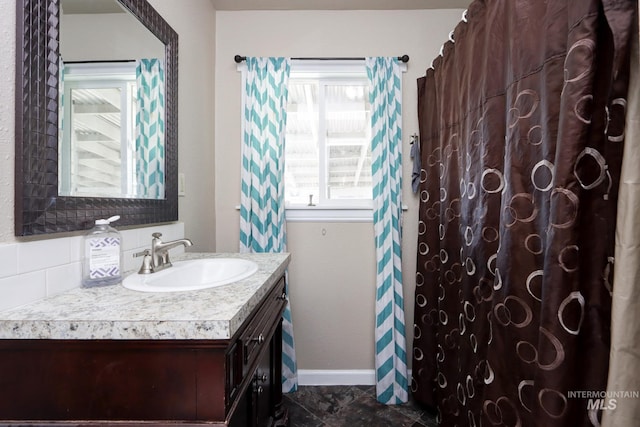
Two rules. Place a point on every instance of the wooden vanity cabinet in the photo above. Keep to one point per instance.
(257, 353)
(235, 382)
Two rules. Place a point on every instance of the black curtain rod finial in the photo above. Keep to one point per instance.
(238, 59)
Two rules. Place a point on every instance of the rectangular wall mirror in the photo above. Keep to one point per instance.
(96, 115)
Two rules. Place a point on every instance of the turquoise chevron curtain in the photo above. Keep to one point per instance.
(262, 214)
(385, 93)
(150, 129)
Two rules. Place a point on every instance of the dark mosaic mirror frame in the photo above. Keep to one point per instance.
(38, 208)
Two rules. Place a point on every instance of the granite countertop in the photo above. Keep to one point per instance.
(115, 312)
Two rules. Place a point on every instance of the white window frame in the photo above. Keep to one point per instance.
(120, 75)
(355, 210)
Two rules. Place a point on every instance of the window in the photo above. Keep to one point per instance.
(97, 155)
(328, 140)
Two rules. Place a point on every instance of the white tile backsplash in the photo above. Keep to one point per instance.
(8, 260)
(33, 270)
(131, 262)
(75, 249)
(22, 289)
(131, 239)
(41, 254)
(63, 278)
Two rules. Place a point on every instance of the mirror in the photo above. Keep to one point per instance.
(40, 207)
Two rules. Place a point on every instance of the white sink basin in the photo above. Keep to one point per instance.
(192, 275)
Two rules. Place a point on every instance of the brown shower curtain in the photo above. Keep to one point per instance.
(521, 134)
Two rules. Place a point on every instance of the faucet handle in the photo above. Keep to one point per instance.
(156, 235)
(143, 253)
(146, 266)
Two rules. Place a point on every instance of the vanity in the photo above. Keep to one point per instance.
(113, 355)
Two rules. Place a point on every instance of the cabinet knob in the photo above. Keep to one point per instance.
(259, 340)
(283, 297)
(260, 377)
(259, 389)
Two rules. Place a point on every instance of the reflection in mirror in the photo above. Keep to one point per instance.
(96, 149)
(111, 122)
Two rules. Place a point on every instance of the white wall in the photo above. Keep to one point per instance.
(105, 37)
(32, 268)
(7, 119)
(195, 23)
(332, 275)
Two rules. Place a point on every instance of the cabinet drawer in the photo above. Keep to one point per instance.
(262, 326)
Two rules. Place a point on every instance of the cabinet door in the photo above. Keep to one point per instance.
(255, 406)
(243, 414)
(263, 388)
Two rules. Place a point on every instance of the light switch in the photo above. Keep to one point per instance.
(181, 184)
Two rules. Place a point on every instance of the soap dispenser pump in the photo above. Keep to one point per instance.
(102, 263)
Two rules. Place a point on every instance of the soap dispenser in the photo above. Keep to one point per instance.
(102, 263)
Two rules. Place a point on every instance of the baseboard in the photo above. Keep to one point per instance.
(336, 377)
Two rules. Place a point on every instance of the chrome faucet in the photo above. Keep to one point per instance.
(157, 258)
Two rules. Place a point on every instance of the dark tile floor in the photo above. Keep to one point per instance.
(352, 406)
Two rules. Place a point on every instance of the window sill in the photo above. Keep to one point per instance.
(324, 214)
(329, 214)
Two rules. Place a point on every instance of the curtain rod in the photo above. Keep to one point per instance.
(97, 61)
(403, 58)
